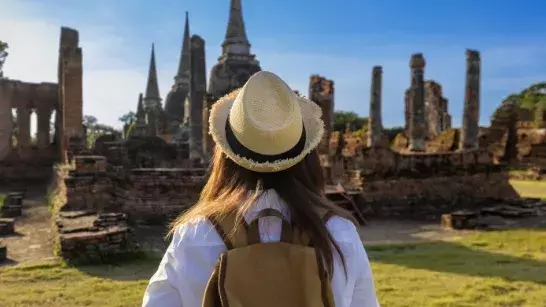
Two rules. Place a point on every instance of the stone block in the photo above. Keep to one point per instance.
(13, 204)
(460, 220)
(3, 253)
(7, 226)
(85, 237)
(90, 164)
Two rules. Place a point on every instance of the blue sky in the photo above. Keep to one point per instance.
(291, 38)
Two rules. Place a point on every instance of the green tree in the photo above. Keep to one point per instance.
(3, 55)
(341, 118)
(94, 129)
(530, 98)
(391, 133)
(128, 118)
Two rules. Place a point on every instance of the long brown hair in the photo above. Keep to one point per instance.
(302, 187)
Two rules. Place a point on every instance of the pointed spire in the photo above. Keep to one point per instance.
(152, 88)
(183, 74)
(236, 33)
(140, 109)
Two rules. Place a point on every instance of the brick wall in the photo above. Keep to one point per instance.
(145, 195)
(157, 195)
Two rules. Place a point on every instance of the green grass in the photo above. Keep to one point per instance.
(527, 188)
(504, 268)
(2, 198)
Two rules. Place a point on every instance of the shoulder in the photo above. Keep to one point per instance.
(343, 230)
(199, 232)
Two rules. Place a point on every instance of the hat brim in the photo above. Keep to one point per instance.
(313, 124)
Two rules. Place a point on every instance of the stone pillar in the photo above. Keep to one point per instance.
(6, 125)
(321, 91)
(44, 117)
(208, 142)
(198, 87)
(70, 88)
(375, 126)
(417, 125)
(471, 113)
(407, 109)
(23, 126)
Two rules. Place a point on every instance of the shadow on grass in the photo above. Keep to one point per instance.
(136, 267)
(16, 234)
(455, 258)
(8, 262)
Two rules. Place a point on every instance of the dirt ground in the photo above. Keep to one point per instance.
(33, 241)
(33, 238)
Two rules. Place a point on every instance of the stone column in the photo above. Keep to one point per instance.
(321, 91)
(6, 124)
(198, 87)
(375, 126)
(471, 113)
(70, 89)
(417, 124)
(23, 126)
(208, 142)
(44, 117)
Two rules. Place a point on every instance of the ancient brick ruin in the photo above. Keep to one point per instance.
(321, 91)
(433, 169)
(157, 172)
(24, 157)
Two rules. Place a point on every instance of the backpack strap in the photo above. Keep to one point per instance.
(301, 238)
(231, 233)
(253, 233)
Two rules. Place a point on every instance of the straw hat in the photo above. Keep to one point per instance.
(264, 126)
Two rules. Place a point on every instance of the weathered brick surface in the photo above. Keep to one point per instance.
(13, 205)
(89, 192)
(428, 198)
(89, 238)
(158, 195)
(91, 164)
(3, 253)
(321, 91)
(147, 195)
(7, 226)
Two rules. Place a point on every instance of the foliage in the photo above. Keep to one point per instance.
(341, 118)
(391, 133)
(128, 118)
(94, 129)
(2, 198)
(495, 268)
(530, 98)
(3, 55)
(130, 130)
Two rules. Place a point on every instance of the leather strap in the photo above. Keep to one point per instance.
(230, 231)
(253, 233)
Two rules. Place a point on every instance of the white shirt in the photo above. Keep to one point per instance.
(184, 271)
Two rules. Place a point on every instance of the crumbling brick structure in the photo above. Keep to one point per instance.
(321, 91)
(437, 115)
(26, 157)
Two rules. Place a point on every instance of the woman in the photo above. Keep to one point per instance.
(265, 138)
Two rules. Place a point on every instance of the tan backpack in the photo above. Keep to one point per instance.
(289, 273)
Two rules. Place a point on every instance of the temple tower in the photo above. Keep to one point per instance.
(152, 100)
(236, 64)
(198, 89)
(174, 102)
